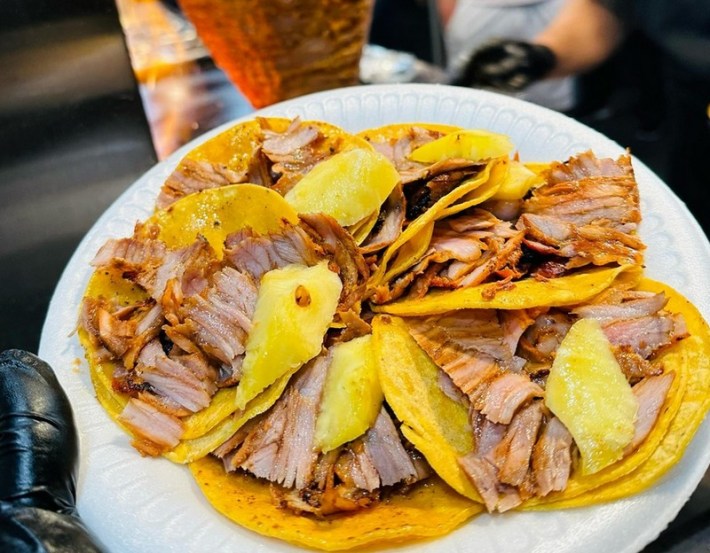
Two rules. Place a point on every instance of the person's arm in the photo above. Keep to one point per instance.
(583, 34)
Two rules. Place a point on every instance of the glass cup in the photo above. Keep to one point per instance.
(272, 50)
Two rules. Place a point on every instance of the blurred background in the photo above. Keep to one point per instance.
(95, 92)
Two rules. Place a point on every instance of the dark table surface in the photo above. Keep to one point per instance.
(76, 129)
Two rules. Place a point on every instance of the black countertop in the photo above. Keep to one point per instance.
(76, 130)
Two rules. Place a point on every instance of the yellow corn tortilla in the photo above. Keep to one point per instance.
(216, 213)
(436, 425)
(387, 134)
(524, 294)
(429, 509)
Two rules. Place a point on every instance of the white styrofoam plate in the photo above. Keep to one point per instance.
(143, 505)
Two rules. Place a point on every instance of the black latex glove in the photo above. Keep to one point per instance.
(38, 458)
(508, 65)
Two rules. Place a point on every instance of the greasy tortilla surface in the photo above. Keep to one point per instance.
(430, 509)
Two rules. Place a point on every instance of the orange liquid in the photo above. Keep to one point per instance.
(273, 50)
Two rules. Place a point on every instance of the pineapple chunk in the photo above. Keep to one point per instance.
(293, 310)
(352, 396)
(349, 186)
(476, 145)
(588, 392)
(517, 181)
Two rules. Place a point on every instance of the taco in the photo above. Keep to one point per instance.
(237, 332)
(160, 324)
(528, 447)
(270, 151)
(572, 217)
(429, 183)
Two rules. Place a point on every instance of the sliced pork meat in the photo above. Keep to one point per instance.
(627, 305)
(340, 247)
(282, 145)
(634, 366)
(514, 323)
(552, 458)
(185, 271)
(155, 431)
(470, 347)
(587, 165)
(280, 447)
(123, 331)
(582, 245)
(541, 339)
(130, 255)
(219, 319)
(428, 185)
(483, 474)
(186, 380)
(647, 335)
(257, 254)
(356, 475)
(439, 176)
(488, 434)
(651, 394)
(161, 403)
(389, 223)
(531, 456)
(333, 490)
(294, 152)
(587, 213)
(469, 365)
(512, 455)
(356, 470)
(377, 459)
(397, 150)
(383, 445)
(465, 250)
(637, 327)
(284, 157)
(194, 175)
(505, 394)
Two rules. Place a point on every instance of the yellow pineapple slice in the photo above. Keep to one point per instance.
(589, 393)
(517, 181)
(348, 186)
(352, 396)
(473, 144)
(294, 308)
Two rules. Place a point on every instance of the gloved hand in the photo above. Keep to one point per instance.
(507, 65)
(38, 457)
